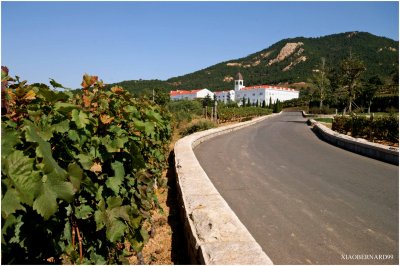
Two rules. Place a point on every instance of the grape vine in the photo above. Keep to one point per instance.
(79, 171)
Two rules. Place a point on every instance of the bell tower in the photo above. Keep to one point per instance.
(238, 82)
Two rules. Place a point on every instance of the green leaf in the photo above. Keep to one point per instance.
(10, 203)
(55, 84)
(61, 127)
(19, 168)
(97, 259)
(9, 138)
(8, 223)
(65, 108)
(49, 95)
(100, 218)
(131, 109)
(85, 160)
(63, 190)
(115, 181)
(51, 189)
(83, 212)
(114, 145)
(154, 116)
(67, 231)
(75, 173)
(73, 135)
(149, 128)
(18, 238)
(44, 151)
(46, 203)
(144, 234)
(113, 202)
(80, 118)
(115, 231)
(118, 168)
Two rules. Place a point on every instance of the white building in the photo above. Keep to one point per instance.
(225, 96)
(260, 93)
(190, 95)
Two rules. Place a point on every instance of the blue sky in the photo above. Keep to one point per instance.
(157, 40)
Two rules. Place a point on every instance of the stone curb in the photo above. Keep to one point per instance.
(361, 146)
(214, 233)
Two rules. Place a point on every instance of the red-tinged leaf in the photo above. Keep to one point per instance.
(86, 101)
(30, 95)
(106, 119)
(96, 168)
(117, 89)
(88, 81)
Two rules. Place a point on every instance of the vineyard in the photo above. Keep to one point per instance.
(241, 113)
(79, 171)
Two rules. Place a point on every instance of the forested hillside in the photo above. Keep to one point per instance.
(288, 61)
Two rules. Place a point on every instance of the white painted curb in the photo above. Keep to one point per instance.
(214, 233)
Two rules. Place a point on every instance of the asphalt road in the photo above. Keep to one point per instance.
(306, 201)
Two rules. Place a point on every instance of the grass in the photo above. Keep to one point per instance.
(324, 120)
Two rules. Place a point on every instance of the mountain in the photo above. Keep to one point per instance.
(289, 61)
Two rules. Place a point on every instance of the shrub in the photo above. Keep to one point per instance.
(381, 128)
(198, 126)
(239, 113)
(78, 172)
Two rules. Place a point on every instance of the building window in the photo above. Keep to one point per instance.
(254, 94)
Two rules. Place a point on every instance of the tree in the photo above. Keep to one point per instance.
(257, 103)
(369, 91)
(248, 102)
(207, 101)
(270, 102)
(351, 70)
(321, 82)
(263, 104)
(161, 96)
(243, 102)
(277, 106)
(228, 97)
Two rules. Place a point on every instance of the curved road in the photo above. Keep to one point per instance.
(304, 200)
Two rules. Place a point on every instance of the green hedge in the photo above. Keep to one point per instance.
(381, 128)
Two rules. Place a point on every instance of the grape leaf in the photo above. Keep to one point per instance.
(19, 169)
(80, 118)
(10, 203)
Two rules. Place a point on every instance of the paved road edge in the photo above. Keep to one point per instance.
(361, 146)
(214, 233)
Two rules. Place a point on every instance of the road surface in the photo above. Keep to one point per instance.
(306, 201)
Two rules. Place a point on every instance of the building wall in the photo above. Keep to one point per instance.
(191, 96)
(262, 94)
(183, 97)
(223, 96)
(203, 93)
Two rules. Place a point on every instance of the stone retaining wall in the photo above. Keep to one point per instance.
(357, 145)
(214, 233)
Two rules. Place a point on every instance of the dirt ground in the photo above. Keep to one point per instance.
(167, 244)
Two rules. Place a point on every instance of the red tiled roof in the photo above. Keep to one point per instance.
(267, 87)
(182, 92)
